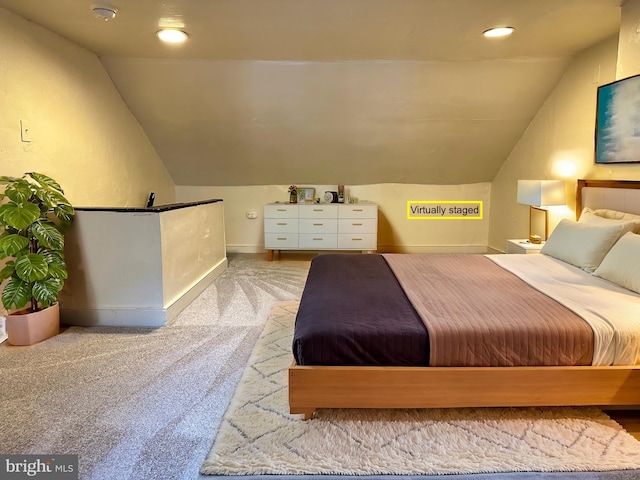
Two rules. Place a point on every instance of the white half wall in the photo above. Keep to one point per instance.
(140, 267)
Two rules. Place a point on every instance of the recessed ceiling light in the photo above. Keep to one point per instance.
(498, 32)
(104, 12)
(171, 35)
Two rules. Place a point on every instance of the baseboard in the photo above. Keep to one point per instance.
(114, 317)
(190, 295)
(246, 249)
(387, 249)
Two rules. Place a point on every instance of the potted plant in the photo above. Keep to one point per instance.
(34, 217)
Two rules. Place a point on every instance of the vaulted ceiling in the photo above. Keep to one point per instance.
(332, 91)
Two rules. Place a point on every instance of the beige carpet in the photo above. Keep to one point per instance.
(258, 436)
(143, 404)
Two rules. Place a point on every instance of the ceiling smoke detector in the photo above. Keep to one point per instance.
(104, 12)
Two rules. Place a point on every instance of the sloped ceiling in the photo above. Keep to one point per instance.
(333, 91)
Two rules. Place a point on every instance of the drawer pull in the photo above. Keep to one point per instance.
(281, 223)
(356, 224)
(281, 209)
(319, 239)
(318, 224)
(354, 239)
(358, 210)
(282, 238)
(318, 209)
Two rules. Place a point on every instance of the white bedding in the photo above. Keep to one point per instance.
(612, 311)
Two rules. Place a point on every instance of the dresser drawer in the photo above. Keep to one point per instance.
(318, 211)
(318, 225)
(365, 241)
(281, 225)
(317, 241)
(358, 211)
(358, 225)
(277, 241)
(280, 211)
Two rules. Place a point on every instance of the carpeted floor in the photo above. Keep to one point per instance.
(143, 403)
(258, 436)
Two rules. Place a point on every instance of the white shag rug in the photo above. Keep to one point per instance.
(259, 436)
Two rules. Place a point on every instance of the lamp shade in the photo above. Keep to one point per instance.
(542, 193)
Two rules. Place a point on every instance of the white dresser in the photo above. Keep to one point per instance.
(320, 226)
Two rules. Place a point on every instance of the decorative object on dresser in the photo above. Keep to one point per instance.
(306, 195)
(320, 227)
(539, 194)
(330, 197)
(33, 221)
(293, 194)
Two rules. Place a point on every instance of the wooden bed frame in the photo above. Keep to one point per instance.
(313, 387)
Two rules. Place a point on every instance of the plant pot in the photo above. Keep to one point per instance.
(27, 328)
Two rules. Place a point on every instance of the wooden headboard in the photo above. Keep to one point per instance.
(621, 195)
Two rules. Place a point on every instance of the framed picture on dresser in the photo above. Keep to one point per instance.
(306, 195)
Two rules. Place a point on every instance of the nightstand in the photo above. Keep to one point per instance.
(523, 246)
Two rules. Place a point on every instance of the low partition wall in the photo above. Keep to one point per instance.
(141, 266)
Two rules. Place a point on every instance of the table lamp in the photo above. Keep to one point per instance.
(539, 194)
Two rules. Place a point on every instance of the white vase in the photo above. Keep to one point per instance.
(33, 327)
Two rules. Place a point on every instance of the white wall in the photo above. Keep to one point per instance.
(81, 132)
(395, 232)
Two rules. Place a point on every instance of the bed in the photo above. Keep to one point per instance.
(407, 370)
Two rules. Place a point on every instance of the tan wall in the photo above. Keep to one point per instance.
(560, 135)
(629, 41)
(562, 132)
(82, 133)
(395, 231)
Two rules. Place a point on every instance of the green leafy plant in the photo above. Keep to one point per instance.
(34, 217)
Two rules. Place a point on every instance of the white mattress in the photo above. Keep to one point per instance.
(612, 311)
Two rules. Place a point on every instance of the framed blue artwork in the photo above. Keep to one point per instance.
(618, 122)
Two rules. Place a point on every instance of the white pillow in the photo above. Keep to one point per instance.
(581, 244)
(610, 217)
(622, 264)
(616, 215)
